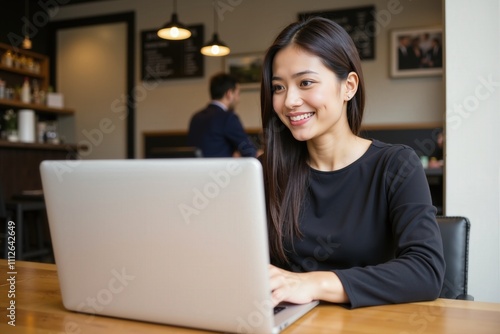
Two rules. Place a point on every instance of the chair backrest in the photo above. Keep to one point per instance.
(455, 235)
(175, 152)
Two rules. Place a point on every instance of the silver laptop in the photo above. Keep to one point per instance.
(173, 241)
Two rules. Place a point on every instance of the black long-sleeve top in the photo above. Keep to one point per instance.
(374, 225)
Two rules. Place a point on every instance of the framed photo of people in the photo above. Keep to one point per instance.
(416, 52)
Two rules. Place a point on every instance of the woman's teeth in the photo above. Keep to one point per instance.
(301, 117)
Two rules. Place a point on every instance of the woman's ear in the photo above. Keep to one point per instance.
(351, 85)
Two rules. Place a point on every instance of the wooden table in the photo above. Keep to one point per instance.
(39, 310)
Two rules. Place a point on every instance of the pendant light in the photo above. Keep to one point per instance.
(26, 40)
(215, 48)
(174, 30)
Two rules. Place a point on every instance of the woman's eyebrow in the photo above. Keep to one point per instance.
(298, 74)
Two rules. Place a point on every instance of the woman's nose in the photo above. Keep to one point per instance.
(293, 98)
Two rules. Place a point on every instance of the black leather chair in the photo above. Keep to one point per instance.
(455, 234)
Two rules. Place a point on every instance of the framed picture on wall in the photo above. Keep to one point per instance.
(416, 52)
(246, 67)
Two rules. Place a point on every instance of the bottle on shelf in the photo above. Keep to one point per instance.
(51, 134)
(35, 98)
(2, 89)
(26, 91)
(8, 59)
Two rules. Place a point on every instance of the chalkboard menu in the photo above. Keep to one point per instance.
(165, 59)
(359, 23)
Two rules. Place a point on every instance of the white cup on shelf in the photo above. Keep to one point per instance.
(26, 125)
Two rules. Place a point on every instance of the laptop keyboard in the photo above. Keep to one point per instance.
(278, 309)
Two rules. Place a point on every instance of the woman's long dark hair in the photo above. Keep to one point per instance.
(285, 160)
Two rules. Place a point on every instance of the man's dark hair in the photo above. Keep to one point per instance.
(220, 84)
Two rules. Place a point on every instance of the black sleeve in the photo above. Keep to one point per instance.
(417, 271)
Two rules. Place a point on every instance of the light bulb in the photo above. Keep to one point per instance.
(26, 43)
(174, 32)
(215, 49)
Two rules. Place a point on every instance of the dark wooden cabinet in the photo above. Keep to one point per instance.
(19, 164)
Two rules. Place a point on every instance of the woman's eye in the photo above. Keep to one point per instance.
(306, 83)
(277, 88)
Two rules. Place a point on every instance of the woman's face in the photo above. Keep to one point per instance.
(307, 96)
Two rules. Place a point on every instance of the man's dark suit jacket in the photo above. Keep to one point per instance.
(219, 133)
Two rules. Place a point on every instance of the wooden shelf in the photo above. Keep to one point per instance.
(22, 72)
(16, 75)
(37, 107)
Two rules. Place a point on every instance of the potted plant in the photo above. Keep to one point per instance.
(10, 125)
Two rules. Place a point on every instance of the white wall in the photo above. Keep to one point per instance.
(472, 140)
(83, 54)
(250, 26)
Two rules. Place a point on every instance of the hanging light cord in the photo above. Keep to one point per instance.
(26, 41)
(216, 26)
(215, 47)
(26, 13)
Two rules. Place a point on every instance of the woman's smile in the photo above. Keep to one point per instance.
(299, 119)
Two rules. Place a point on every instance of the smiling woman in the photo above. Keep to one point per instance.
(310, 101)
(350, 220)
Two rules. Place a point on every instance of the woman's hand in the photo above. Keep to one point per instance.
(291, 287)
(301, 288)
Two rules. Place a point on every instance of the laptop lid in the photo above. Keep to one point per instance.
(174, 241)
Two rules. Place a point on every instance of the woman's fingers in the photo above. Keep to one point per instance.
(288, 286)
